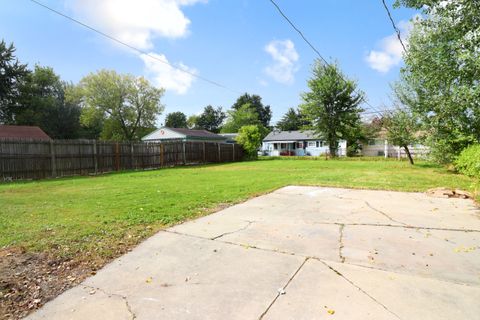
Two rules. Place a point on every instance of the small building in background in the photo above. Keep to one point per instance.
(298, 143)
(231, 137)
(182, 134)
(381, 147)
(22, 132)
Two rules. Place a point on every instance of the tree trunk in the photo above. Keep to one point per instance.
(333, 146)
(408, 154)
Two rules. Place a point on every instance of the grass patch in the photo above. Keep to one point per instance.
(96, 215)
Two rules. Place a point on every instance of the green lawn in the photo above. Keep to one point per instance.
(98, 214)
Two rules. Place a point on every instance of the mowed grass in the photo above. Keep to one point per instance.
(95, 215)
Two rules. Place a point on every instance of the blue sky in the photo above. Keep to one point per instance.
(243, 44)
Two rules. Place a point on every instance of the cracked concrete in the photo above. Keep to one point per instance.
(297, 253)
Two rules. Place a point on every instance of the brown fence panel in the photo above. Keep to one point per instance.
(34, 159)
(25, 159)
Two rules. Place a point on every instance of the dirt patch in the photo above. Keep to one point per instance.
(29, 280)
(449, 193)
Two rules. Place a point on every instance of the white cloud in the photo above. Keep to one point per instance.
(135, 22)
(285, 59)
(390, 51)
(138, 23)
(165, 76)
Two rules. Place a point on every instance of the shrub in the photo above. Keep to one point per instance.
(468, 162)
(250, 138)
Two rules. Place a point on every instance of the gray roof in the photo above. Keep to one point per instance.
(291, 135)
(191, 133)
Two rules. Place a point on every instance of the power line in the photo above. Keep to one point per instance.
(315, 50)
(132, 47)
(397, 31)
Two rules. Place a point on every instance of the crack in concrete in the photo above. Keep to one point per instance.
(340, 244)
(383, 213)
(283, 289)
(397, 226)
(249, 223)
(359, 288)
(124, 298)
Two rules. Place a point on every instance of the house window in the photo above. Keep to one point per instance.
(318, 143)
(299, 145)
(371, 142)
(311, 144)
(282, 146)
(321, 144)
(275, 146)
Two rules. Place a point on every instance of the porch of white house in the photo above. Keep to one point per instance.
(300, 148)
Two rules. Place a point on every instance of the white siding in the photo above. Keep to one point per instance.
(163, 134)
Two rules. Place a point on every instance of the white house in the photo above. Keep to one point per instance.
(182, 134)
(298, 143)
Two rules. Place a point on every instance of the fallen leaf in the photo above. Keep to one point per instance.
(330, 311)
(149, 280)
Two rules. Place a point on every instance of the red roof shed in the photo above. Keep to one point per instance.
(22, 132)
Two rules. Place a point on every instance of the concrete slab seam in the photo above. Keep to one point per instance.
(283, 289)
(359, 288)
(340, 244)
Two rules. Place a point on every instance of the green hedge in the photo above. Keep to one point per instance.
(468, 162)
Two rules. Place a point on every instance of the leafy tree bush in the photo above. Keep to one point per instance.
(264, 112)
(120, 104)
(292, 120)
(402, 129)
(12, 76)
(244, 116)
(468, 162)
(440, 79)
(250, 138)
(211, 119)
(332, 105)
(176, 120)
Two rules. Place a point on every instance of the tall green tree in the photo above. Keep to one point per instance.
(441, 78)
(264, 112)
(402, 129)
(332, 104)
(292, 120)
(12, 76)
(211, 119)
(176, 120)
(45, 102)
(121, 104)
(244, 116)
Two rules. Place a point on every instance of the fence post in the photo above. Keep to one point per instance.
(117, 156)
(52, 156)
(233, 152)
(95, 160)
(219, 153)
(204, 156)
(184, 154)
(131, 155)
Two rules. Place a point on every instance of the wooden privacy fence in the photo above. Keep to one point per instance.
(34, 159)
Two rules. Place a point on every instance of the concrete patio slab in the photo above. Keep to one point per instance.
(319, 293)
(414, 297)
(172, 276)
(445, 255)
(297, 253)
